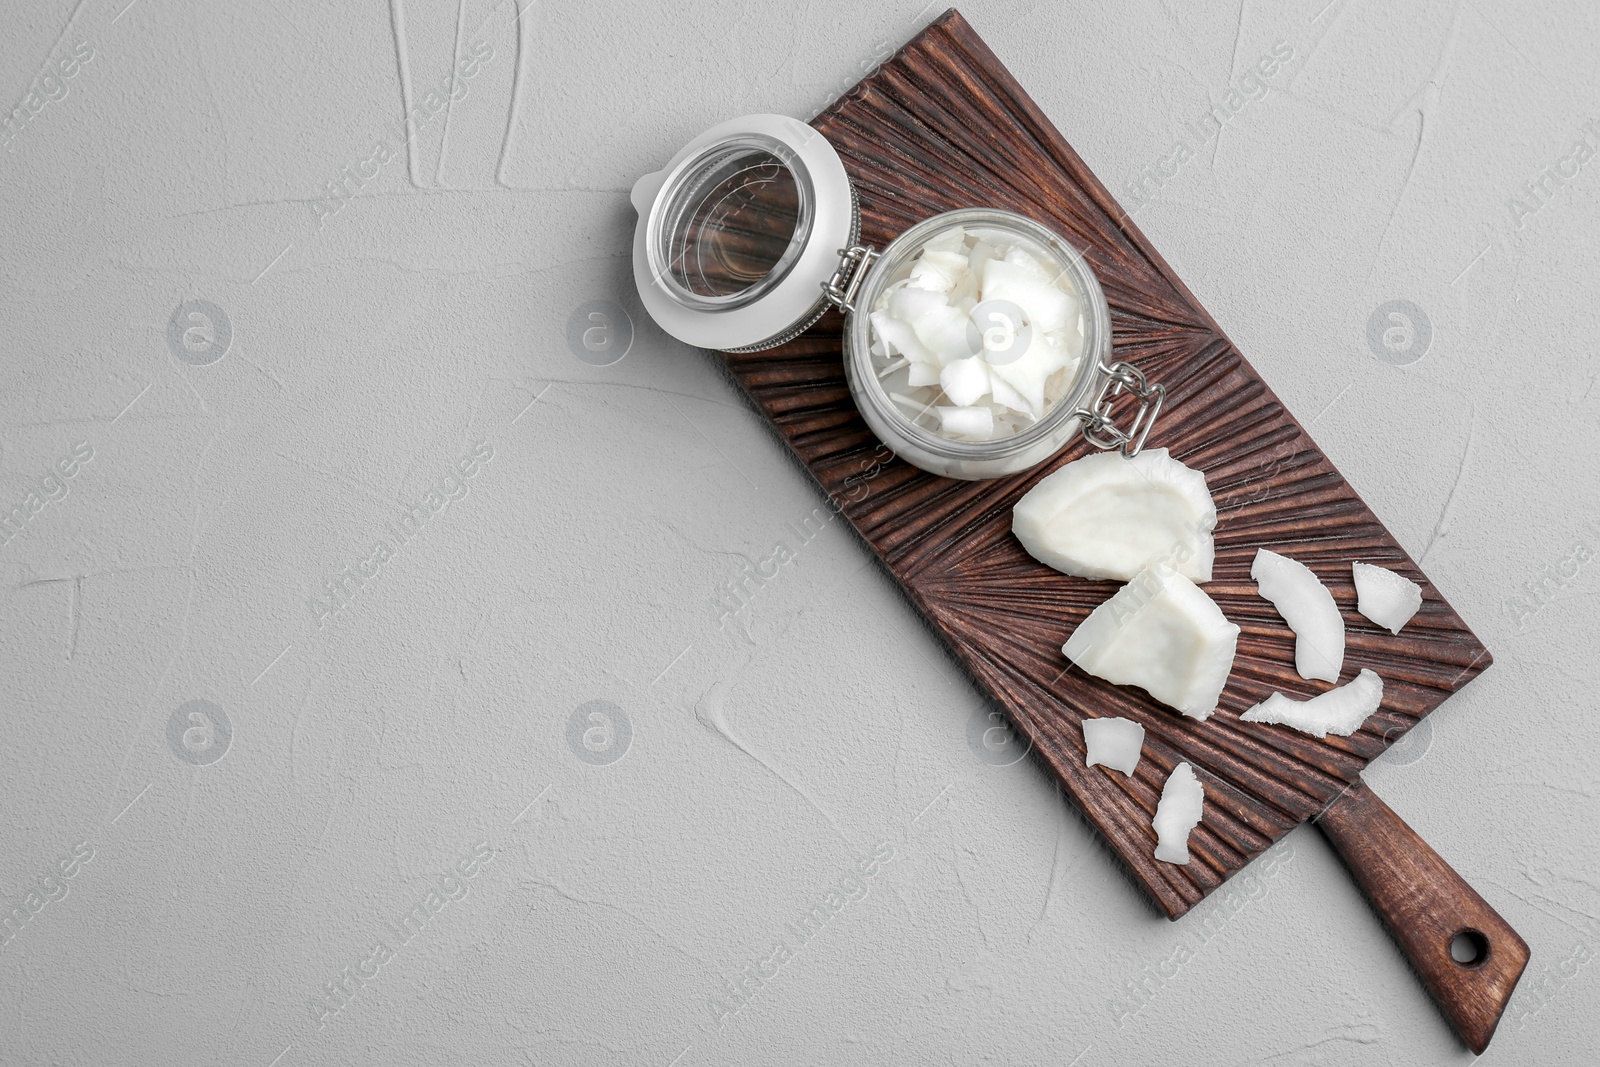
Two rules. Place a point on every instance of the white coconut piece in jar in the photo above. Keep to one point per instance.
(908, 304)
(1338, 711)
(901, 340)
(1387, 598)
(1027, 286)
(965, 381)
(923, 317)
(938, 270)
(1308, 608)
(1029, 372)
(1104, 516)
(1182, 804)
(952, 240)
(1008, 397)
(942, 329)
(1113, 742)
(1162, 633)
(974, 423)
(982, 252)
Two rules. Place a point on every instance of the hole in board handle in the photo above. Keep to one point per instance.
(1469, 948)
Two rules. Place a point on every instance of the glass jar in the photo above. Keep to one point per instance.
(750, 235)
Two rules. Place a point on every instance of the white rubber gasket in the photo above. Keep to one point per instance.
(792, 299)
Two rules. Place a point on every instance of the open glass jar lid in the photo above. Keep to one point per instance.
(976, 343)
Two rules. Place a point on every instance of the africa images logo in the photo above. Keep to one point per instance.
(1399, 332)
(451, 885)
(199, 332)
(1250, 86)
(48, 888)
(393, 143)
(52, 487)
(735, 994)
(599, 732)
(199, 732)
(49, 87)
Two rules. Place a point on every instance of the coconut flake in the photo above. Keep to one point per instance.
(909, 305)
(1046, 306)
(1019, 257)
(938, 270)
(943, 329)
(1029, 370)
(1113, 742)
(951, 240)
(965, 381)
(1006, 396)
(1308, 608)
(976, 423)
(1338, 711)
(923, 374)
(982, 252)
(1162, 633)
(1387, 598)
(901, 339)
(1182, 803)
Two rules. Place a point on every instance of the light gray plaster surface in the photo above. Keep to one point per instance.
(635, 862)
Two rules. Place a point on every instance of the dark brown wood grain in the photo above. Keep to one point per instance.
(942, 125)
(1425, 904)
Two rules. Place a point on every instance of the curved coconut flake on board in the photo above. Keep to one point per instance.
(1308, 608)
(1338, 711)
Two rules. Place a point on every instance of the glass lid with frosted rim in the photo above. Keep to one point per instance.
(739, 234)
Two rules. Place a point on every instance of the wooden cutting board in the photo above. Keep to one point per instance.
(943, 125)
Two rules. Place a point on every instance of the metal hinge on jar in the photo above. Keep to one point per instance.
(1101, 430)
(854, 263)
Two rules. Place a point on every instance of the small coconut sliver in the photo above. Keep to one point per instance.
(1182, 803)
(1387, 598)
(1338, 711)
(1307, 606)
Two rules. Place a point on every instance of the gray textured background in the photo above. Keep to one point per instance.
(378, 333)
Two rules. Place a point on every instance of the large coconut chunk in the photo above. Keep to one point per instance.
(1308, 608)
(1104, 516)
(1161, 633)
(1183, 801)
(1338, 711)
(1387, 598)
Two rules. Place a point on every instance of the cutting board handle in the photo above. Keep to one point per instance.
(1426, 905)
